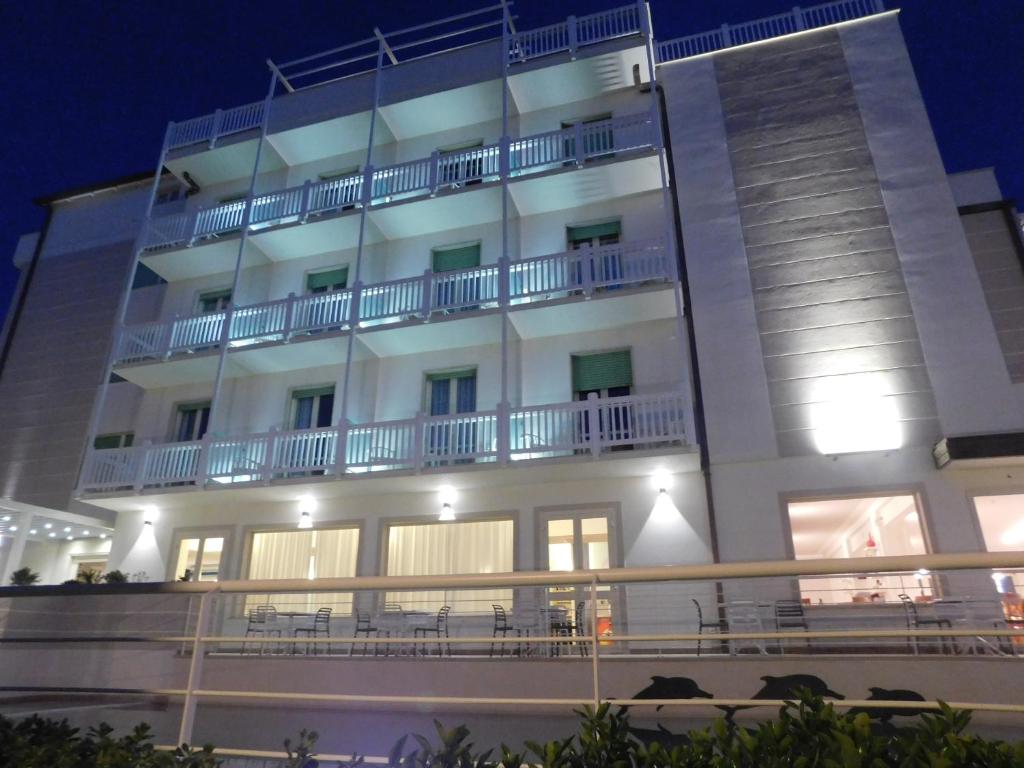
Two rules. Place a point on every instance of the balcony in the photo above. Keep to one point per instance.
(615, 155)
(393, 316)
(592, 428)
(574, 33)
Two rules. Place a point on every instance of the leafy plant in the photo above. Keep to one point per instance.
(115, 577)
(24, 577)
(303, 756)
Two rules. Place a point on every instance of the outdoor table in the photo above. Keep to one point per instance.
(402, 624)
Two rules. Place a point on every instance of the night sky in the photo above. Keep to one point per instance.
(89, 87)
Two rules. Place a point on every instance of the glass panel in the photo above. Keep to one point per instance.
(331, 280)
(1002, 526)
(595, 541)
(209, 568)
(188, 550)
(484, 546)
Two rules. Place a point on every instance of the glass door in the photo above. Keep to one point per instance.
(581, 541)
(199, 558)
(451, 394)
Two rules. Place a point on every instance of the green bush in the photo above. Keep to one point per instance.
(24, 577)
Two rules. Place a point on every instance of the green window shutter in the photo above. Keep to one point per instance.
(594, 230)
(129, 438)
(465, 373)
(298, 394)
(103, 442)
(448, 259)
(331, 277)
(601, 371)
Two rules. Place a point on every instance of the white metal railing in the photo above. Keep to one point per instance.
(573, 33)
(534, 279)
(797, 20)
(205, 609)
(424, 176)
(594, 426)
(209, 128)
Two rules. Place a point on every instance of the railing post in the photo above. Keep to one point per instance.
(504, 156)
(428, 294)
(203, 465)
(726, 36)
(577, 129)
(307, 202)
(435, 162)
(141, 452)
(594, 645)
(593, 424)
(225, 331)
(341, 448)
(367, 196)
(355, 305)
(571, 29)
(798, 18)
(218, 116)
(417, 441)
(504, 281)
(504, 431)
(195, 668)
(289, 318)
(587, 270)
(267, 465)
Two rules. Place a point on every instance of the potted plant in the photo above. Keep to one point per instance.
(24, 577)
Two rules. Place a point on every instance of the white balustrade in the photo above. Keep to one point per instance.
(322, 311)
(278, 207)
(258, 322)
(243, 118)
(533, 432)
(607, 25)
(392, 301)
(190, 131)
(199, 331)
(335, 193)
(464, 288)
(162, 231)
(220, 219)
(142, 342)
(765, 28)
(466, 165)
(574, 33)
(542, 41)
(209, 128)
(401, 179)
(541, 151)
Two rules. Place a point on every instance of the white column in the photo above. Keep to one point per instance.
(17, 549)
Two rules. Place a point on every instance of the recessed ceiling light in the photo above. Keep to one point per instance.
(51, 534)
(7, 518)
(14, 528)
(67, 529)
(85, 533)
(47, 526)
(103, 535)
(33, 531)
(71, 538)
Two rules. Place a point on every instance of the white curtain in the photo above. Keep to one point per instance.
(310, 554)
(442, 549)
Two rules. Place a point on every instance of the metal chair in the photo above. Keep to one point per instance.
(580, 628)
(364, 626)
(789, 614)
(719, 626)
(321, 626)
(914, 621)
(262, 622)
(440, 629)
(502, 625)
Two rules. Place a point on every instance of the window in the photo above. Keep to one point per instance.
(1002, 527)
(608, 374)
(443, 549)
(453, 257)
(338, 174)
(607, 233)
(214, 301)
(448, 393)
(859, 527)
(328, 280)
(313, 554)
(114, 440)
(199, 559)
(451, 392)
(191, 421)
(605, 266)
(95, 567)
(580, 541)
(312, 408)
(457, 292)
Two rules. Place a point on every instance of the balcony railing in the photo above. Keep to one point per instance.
(535, 279)
(574, 33)
(209, 128)
(797, 20)
(589, 427)
(416, 178)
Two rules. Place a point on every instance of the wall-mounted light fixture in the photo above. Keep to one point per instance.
(662, 480)
(446, 494)
(149, 515)
(307, 505)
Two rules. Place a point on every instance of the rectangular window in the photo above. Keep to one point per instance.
(214, 301)
(451, 392)
(312, 408)
(450, 258)
(199, 559)
(862, 526)
(609, 374)
(338, 174)
(1002, 527)
(191, 422)
(445, 549)
(114, 440)
(312, 554)
(328, 280)
(606, 233)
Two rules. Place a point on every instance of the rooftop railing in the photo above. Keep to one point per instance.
(797, 20)
(507, 283)
(174, 639)
(591, 427)
(422, 177)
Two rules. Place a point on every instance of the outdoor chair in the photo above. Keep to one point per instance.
(502, 625)
(789, 614)
(364, 626)
(719, 626)
(262, 623)
(439, 630)
(321, 627)
(580, 628)
(914, 621)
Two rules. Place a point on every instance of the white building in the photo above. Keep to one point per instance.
(434, 308)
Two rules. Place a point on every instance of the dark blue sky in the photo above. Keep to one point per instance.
(89, 87)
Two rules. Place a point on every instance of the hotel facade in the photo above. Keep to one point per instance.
(561, 299)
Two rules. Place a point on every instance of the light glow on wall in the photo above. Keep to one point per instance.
(855, 413)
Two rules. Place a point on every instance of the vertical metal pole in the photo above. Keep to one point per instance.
(594, 645)
(504, 164)
(218, 381)
(344, 419)
(195, 668)
(126, 291)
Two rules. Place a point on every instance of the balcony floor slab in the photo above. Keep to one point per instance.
(605, 310)
(211, 256)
